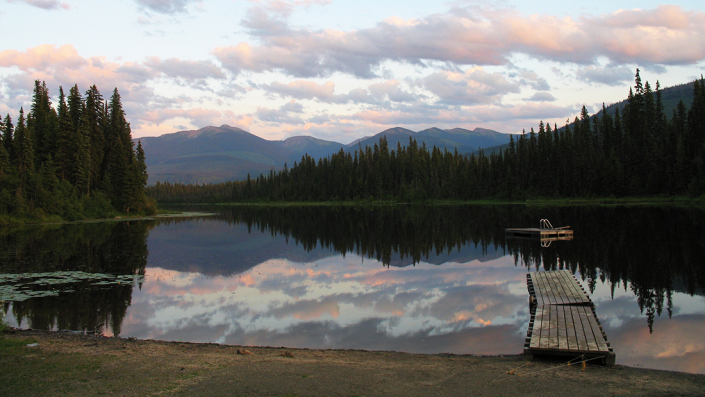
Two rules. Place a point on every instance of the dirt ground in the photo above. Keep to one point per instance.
(73, 364)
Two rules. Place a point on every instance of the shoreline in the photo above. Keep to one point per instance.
(184, 214)
(683, 201)
(70, 363)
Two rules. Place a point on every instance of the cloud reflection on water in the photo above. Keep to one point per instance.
(675, 344)
(340, 302)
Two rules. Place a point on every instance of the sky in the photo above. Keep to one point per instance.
(342, 70)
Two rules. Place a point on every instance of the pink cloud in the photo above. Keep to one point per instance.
(43, 57)
(665, 35)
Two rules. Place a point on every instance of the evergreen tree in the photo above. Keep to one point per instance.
(4, 163)
(92, 125)
(64, 134)
(142, 165)
(25, 148)
(41, 122)
(125, 178)
(7, 136)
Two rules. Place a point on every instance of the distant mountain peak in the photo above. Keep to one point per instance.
(210, 130)
(217, 154)
(397, 130)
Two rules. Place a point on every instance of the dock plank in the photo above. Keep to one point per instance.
(563, 318)
(558, 288)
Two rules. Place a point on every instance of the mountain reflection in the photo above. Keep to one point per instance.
(411, 278)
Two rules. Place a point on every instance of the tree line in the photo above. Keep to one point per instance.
(76, 160)
(636, 151)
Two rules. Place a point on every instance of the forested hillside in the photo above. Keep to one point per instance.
(225, 153)
(638, 151)
(73, 161)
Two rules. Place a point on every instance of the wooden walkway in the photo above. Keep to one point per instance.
(563, 319)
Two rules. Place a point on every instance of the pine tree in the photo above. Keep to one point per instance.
(8, 136)
(92, 125)
(125, 176)
(64, 134)
(41, 122)
(142, 165)
(4, 163)
(25, 149)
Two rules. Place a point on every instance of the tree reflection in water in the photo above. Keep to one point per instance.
(117, 248)
(652, 251)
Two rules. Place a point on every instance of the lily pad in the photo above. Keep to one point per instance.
(22, 286)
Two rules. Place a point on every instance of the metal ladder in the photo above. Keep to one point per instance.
(545, 224)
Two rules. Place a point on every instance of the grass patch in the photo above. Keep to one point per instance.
(7, 345)
(34, 371)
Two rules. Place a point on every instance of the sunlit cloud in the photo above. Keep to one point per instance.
(44, 4)
(467, 66)
(665, 35)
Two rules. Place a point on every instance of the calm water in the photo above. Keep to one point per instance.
(412, 279)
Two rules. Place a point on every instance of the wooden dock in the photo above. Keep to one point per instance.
(563, 319)
(539, 234)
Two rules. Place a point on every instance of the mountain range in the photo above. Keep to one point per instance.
(225, 153)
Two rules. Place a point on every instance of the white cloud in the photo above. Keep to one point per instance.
(474, 86)
(541, 96)
(283, 115)
(45, 4)
(165, 6)
(608, 75)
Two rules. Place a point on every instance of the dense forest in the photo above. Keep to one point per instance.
(75, 161)
(638, 151)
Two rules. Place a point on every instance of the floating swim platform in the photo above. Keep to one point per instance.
(545, 232)
(539, 234)
(563, 319)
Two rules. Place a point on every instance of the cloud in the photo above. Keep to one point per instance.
(306, 89)
(303, 89)
(474, 86)
(63, 66)
(45, 4)
(533, 80)
(43, 57)
(608, 75)
(165, 6)
(198, 116)
(468, 36)
(283, 115)
(473, 115)
(189, 70)
(542, 96)
(392, 90)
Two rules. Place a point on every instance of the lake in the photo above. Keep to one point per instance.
(404, 278)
